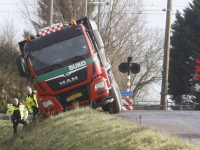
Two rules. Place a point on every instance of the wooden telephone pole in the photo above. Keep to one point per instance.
(50, 13)
(165, 72)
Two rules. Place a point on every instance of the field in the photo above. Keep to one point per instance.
(86, 129)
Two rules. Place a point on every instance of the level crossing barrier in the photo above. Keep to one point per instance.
(127, 103)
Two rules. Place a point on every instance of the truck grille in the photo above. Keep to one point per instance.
(64, 81)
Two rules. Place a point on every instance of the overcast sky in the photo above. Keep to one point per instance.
(156, 16)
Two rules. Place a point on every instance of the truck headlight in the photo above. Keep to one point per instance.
(99, 85)
(47, 103)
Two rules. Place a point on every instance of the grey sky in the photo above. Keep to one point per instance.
(156, 16)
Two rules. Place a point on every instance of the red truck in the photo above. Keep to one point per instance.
(69, 67)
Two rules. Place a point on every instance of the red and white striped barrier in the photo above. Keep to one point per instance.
(127, 101)
(127, 108)
(127, 104)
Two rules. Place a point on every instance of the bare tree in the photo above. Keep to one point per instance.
(35, 16)
(125, 35)
(11, 84)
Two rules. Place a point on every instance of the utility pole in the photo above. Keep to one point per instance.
(99, 12)
(85, 8)
(165, 72)
(50, 12)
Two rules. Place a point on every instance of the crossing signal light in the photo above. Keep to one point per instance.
(135, 68)
(123, 67)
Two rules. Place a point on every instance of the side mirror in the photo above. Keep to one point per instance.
(20, 66)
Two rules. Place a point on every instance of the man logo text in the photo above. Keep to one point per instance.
(68, 80)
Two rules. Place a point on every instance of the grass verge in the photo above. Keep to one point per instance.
(87, 129)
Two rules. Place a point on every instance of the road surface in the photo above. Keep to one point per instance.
(183, 124)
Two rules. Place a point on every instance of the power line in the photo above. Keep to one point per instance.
(101, 13)
(14, 11)
(102, 4)
(141, 13)
(15, 4)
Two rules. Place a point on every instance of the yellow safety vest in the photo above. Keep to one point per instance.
(22, 109)
(32, 101)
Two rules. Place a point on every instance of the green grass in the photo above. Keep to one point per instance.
(87, 129)
(5, 129)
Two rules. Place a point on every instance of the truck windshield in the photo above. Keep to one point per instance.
(59, 55)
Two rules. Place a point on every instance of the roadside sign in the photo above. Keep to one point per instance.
(126, 93)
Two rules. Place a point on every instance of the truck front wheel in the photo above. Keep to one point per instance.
(115, 105)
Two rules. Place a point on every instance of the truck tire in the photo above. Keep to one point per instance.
(115, 106)
(105, 107)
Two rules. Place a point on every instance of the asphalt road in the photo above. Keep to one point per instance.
(183, 124)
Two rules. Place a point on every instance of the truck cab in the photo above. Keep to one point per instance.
(69, 67)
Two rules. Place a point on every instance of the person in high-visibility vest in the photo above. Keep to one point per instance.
(32, 102)
(18, 114)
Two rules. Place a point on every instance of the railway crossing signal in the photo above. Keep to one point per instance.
(126, 68)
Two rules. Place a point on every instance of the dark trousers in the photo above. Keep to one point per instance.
(35, 112)
(15, 124)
